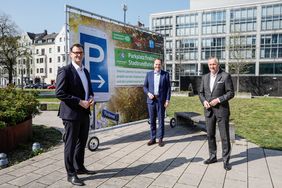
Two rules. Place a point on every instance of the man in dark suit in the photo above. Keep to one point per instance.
(73, 88)
(157, 88)
(215, 91)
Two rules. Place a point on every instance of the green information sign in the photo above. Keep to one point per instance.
(121, 37)
(134, 59)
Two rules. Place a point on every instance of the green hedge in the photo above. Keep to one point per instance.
(17, 106)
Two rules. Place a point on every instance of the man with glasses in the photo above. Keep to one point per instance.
(73, 88)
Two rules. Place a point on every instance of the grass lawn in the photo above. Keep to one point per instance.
(46, 136)
(48, 100)
(257, 119)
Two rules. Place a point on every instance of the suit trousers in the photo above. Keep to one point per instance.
(156, 110)
(76, 135)
(223, 126)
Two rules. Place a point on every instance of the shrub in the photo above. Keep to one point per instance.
(17, 106)
(130, 103)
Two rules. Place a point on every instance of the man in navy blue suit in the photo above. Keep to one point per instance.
(157, 88)
(73, 88)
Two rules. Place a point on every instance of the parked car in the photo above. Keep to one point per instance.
(39, 86)
(51, 87)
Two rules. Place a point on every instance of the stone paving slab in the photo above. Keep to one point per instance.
(123, 159)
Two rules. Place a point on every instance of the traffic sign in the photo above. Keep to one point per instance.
(95, 60)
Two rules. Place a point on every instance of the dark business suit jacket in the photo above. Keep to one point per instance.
(164, 86)
(70, 91)
(222, 89)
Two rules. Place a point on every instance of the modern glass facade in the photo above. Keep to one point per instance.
(247, 33)
(271, 46)
(214, 46)
(214, 22)
(271, 18)
(243, 19)
(187, 25)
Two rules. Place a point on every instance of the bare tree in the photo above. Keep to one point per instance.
(9, 46)
(241, 53)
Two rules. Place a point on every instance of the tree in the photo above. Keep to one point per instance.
(9, 46)
(241, 52)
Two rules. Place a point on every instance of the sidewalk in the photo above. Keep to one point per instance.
(124, 160)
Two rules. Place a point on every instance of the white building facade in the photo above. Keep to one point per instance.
(47, 54)
(210, 28)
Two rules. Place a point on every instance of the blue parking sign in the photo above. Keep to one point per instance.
(95, 48)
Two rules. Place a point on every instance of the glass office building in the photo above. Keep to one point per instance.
(244, 32)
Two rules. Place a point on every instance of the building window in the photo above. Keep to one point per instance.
(213, 47)
(58, 49)
(37, 60)
(214, 22)
(59, 59)
(186, 49)
(271, 17)
(41, 70)
(37, 70)
(187, 25)
(50, 70)
(162, 25)
(243, 19)
(271, 46)
(50, 60)
(42, 51)
(270, 68)
(50, 50)
(242, 47)
(168, 68)
(41, 60)
(168, 49)
(37, 51)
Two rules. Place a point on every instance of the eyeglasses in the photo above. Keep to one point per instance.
(76, 53)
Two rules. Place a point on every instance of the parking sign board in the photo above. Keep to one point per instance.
(95, 47)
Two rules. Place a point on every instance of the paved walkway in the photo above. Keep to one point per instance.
(124, 160)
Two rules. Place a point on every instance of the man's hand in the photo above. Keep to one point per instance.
(207, 104)
(84, 104)
(166, 104)
(91, 100)
(150, 95)
(214, 102)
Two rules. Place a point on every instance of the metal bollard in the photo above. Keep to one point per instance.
(36, 146)
(3, 160)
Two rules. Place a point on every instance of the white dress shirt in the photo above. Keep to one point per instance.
(212, 80)
(83, 78)
(157, 77)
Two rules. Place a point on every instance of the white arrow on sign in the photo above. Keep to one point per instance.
(101, 81)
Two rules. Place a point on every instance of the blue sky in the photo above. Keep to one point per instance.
(38, 15)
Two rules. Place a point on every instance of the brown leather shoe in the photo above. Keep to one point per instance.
(161, 143)
(151, 142)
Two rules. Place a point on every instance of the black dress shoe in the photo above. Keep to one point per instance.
(161, 143)
(151, 142)
(227, 166)
(75, 180)
(85, 171)
(210, 161)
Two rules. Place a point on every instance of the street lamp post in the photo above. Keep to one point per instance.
(277, 79)
(124, 13)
